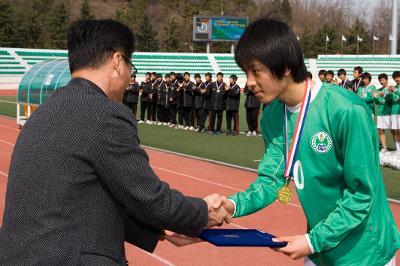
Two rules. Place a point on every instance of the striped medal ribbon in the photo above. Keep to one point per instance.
(284, 193)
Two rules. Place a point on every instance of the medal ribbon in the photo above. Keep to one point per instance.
(291, 154)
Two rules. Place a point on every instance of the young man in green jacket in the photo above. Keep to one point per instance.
(312, 135)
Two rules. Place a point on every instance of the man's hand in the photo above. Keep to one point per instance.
(216, 211)
(297, 246)
(180, 240)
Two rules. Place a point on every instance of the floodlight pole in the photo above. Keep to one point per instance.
(395, 14)
(373, 45)
(208, 47)
(232, 48)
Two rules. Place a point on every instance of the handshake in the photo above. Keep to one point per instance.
(220, 210)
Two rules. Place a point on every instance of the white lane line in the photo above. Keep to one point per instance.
(2, 173)
(8, 102)
(210, 182)
(7, 127)
(160, 259)
(6, 142)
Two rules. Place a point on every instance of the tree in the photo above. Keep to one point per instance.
(130, 15)
(286, 11)
(171, 39)
(86, 11)
(146, 37)
(307, 44)
(7, 25)
(32, 31)
(58, 22)
(319, 40)
(365, 46)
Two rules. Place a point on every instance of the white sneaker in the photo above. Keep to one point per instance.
(248, 133)
(165, 124)
(148, 122)
(186, 128)
(254, 134)
(180, 127)
(191, 128)
(159, 123)
(140, 122)
(171, 125)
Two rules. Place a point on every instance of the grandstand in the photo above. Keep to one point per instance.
(14, 62)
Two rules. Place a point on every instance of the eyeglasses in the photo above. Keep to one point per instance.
(134, 69)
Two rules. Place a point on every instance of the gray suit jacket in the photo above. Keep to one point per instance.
(80, 185)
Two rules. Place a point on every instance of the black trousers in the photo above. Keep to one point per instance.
(133, 107)
(172, 114)
(181, 115)
(144, 106)
(188, 116)
(206, 114)
(232, 115)
(252, 118)
(152, 112)
(218, 115)
(198, 118)
(160, 113)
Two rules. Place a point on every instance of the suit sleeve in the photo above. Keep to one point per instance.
(360, 174)
(124, 167)
(263, 191)
(140, 235)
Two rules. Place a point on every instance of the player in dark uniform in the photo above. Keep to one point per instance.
(161, 101)
(232, 94)
(145, 90)
(198, 93)
(179, 89)
(217, 104)
(131, 95)
(153, 98)
(188, 101)
(173, 99)
(252, 105)
(208, 87)
(357, 81)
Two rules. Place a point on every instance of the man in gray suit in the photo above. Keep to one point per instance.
(79, 184)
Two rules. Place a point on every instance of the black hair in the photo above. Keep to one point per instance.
(91, 42)
(367, 75)
(322, 72)
(208, 74)
(308, 75)
(197, 75)
(133, 75)
(153, 73)
(396, 74)
(234, 77)
(172, 73)
(341, 72)
(359, 69)
(274, 44)
(159, 75)
(330, 72)
(186, 73)
(147, 73)
(167, 75)
(179, 77)
(383, 76)
(220, 74)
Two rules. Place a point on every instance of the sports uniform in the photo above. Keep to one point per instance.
(383, 119)
(366, 94)
(337, 176)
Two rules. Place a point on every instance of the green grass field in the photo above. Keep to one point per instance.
(239, 150)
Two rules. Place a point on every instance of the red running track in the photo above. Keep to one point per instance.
(8, 92)
(198, 178)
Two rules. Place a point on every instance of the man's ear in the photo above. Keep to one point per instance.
(116, 61)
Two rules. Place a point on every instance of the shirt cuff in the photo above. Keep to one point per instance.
(309, 243)
(234, 207)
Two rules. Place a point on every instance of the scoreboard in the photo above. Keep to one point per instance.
(206, 28)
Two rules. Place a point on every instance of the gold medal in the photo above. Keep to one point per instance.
(284, 194)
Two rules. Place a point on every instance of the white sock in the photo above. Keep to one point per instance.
(398, 146)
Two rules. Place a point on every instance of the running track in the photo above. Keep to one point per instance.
(197, 178)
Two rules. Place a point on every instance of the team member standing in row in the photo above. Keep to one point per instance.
(383, 99)
(153, 98)
(344, 82)
(252, 105)
(179, 88)
(217, 104)
(395, 114)
(173, 99)
(365, 91)
(208, 88)
(145, 89)
(162, 117)
(187, 91)
(199, 93)
(232, 93)
(131, 95)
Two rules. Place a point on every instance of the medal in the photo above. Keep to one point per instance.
(284, 193)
